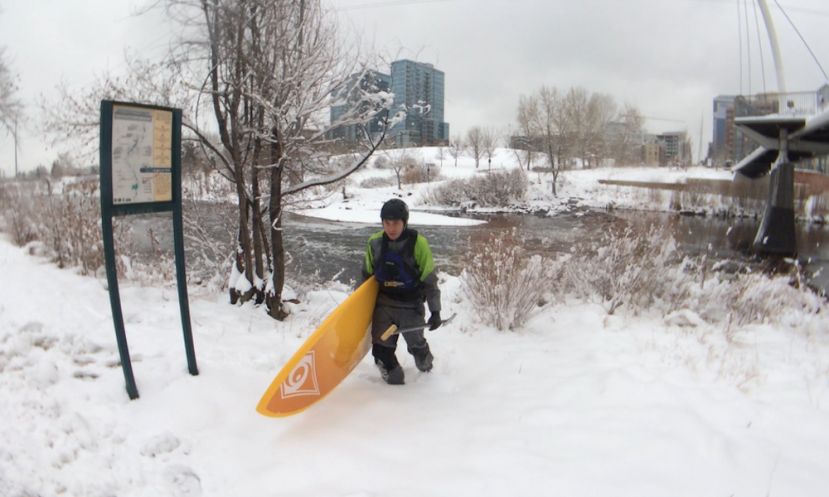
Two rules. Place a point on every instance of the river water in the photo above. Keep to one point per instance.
(336, 249)
(325, 250)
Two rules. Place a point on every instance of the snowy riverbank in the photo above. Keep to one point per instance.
(578, 403)
(575, 187)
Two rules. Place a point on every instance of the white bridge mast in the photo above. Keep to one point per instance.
(775, 48)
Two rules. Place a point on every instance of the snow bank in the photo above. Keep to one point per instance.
(577, 403)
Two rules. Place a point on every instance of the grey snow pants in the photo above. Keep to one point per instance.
(404, 317)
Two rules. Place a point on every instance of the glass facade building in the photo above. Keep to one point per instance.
(419, 89)
(370, 82)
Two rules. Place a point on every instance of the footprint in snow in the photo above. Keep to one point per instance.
(161, 444)
(184, 482)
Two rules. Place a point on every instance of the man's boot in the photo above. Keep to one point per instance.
(386, 362)
(423, 358)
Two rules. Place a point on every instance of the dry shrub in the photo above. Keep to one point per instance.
(15, 203)
(487, 190)
(623, 268)
(817, 207)
(655, 196)
(503, 285)
(418, 173)
(209, 241)
(759, 297)
(378, 182)
(70, 227)
(67, 224)
(645, 270)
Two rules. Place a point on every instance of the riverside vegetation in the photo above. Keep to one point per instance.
(622, 270)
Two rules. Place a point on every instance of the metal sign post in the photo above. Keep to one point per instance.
(140, 150)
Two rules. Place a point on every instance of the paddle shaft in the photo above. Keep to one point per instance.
(394, 330)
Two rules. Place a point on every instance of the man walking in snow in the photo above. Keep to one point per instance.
(401, 261)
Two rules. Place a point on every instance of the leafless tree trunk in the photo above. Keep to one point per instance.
(489, 141)
(10, 106)
(288, 60)
(601, 109)
(551, 128)
(527, 115)
(440, 154)
(627, 143)
(456, 148)
(266, 72)
(475, 142)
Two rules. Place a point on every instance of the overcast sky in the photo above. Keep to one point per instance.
(670, 58)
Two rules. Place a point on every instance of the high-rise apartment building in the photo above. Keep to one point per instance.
(419, 88)
(370, 82)
(723, 112)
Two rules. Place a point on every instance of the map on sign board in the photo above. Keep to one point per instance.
(141, 155)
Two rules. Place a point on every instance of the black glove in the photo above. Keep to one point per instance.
(434, 321)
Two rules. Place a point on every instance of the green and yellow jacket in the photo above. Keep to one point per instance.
(410, 278)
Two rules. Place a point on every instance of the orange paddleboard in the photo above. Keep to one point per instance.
(326, 358)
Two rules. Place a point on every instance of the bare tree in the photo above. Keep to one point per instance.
(489, 142)
(274, 68)
(527, 116)
(627, 141)
(551, 128)
(440, 154)
(262, 75)
(76, 113)
(10, 106)
(575, 105)
(456, 148)
(588, 116)
(601, 109)
(475, 143)
(397, 160)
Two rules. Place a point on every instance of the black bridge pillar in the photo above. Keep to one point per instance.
(776, 235)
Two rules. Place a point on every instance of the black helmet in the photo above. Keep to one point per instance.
(395, 209)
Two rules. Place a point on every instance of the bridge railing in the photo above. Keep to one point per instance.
(800, 103)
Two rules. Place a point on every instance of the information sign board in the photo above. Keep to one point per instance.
(141, 155)
(140, 150)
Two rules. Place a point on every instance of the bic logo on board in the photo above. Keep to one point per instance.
(302, 380)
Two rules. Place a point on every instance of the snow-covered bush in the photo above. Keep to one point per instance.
(487, 190)
(503, 285)
(209, 239)
(645, 271)
(14, 206)
(378, 182)
(816, 208)
(758, 297)
(623, 268)
(68, 224)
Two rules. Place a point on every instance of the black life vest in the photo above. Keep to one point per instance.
(397, 276)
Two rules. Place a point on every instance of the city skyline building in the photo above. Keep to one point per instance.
(369, 81)
(418, 88)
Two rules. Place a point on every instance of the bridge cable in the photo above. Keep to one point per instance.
(826, 78)
(760, 47)
(740, 44)
(748, 47)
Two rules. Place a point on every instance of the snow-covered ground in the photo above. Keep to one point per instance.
(577, 403)
(580, 185)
